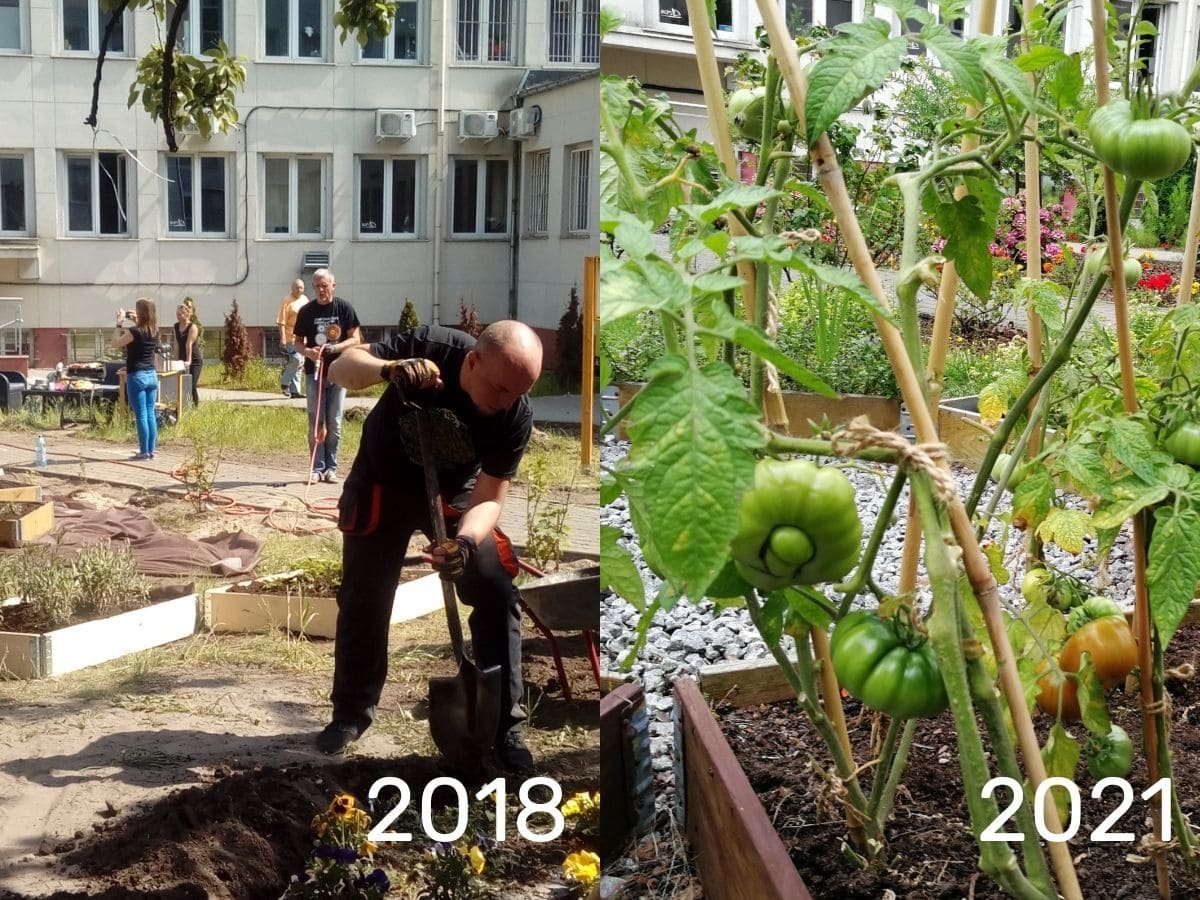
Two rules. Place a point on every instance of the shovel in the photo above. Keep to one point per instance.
(464, 711)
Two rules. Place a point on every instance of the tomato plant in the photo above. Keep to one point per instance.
(1184, 443)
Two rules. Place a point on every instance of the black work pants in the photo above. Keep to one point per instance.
(371, 565)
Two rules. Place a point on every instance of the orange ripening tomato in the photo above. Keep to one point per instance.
(1111, 645)
(1048, 690)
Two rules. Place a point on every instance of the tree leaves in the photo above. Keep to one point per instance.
(693, 433)
(857, 62)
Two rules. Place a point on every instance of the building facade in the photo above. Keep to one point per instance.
(412, 166)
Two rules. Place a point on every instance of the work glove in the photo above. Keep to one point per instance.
(450, 558)
(411, 375)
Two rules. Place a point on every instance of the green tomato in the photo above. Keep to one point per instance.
(1018, 474)
(745, 109)
(1110, 756)
(1184, 443)
(798, 524)
(1133, 271)
(878, 667)
(1095, 259)
(1136, 146)
(1093, 608)
(1038, 586)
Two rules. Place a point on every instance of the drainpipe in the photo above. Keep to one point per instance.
(440, 175)
(514, 241)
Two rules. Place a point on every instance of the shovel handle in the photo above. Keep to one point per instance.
(433, 495)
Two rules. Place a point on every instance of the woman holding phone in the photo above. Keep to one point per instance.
(138, 334)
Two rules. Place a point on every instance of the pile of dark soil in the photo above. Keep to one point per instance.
(932, 854)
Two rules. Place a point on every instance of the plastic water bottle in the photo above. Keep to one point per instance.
(39, 452)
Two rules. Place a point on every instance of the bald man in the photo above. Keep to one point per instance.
(476, 390)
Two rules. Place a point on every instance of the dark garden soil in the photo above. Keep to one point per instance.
(248, 831)
(932, 853)
(29, 618)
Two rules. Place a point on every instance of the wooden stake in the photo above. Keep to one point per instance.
(718, 124)
(978, 570)
(591, 315)
(1187, 273)
(1141, 597)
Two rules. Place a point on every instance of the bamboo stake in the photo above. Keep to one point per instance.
(714, 99)
(1141, 598)
(831, 699)
(939, 344)
(1033, 235)
(1187, 273)
(978, 570)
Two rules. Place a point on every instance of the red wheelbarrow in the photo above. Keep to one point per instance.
(566, 601)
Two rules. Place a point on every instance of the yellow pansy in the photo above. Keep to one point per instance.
(475, 857)
(582, 866)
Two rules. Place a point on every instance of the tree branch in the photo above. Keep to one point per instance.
(168, 79)
(113, 21)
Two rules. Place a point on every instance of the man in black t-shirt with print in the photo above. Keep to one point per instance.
(481, 418)
(325, 327)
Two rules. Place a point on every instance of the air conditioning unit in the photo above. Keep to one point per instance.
(523, 122)
(478, 123)
(315, 259)
(395, 123)
(186, 128)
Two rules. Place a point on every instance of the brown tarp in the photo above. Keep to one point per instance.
(158, 552)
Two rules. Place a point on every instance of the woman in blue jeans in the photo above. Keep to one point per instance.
(138, 334)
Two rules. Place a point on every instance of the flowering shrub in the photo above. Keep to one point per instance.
(342, 859)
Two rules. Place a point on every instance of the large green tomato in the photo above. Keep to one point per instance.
(1037, 586)
(1110, 756)
(1133, 271)
(798, 525)
(745, 108)
(1095, 261)
(1145, 148)
(1184, 443)
(1095, 607)
(875, 664)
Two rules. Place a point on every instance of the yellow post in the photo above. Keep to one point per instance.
(591, 317)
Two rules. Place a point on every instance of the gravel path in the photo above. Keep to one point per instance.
(692, 635)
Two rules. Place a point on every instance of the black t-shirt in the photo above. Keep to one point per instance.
(467, 441)
(324, 323)
(139, 353)
(181, 340)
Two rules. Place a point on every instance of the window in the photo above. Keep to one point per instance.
(404, 43)
(97, 193)
(578, 189)
(1147, 50)
(479, 198)
(387, 197)
(575, 31)
(537, 168)
(13, 14)
(294, 29)
(674, 12)
(486, 32)
(914, 26)
(203, 26)
(802, 15)
(838, 12)
(15, 200)
(294, 195)
(83, 24)
(196, 196)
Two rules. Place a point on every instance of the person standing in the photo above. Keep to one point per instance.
(289, 381)
(476, 391)
(138, 334)
(187, 339)
(327, 326)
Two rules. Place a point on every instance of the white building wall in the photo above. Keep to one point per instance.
(326, 108)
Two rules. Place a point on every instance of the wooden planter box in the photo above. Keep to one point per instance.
(35, 520)
(237, 608)
(20, 493)
(26, 655)
(735, 846)
(626, 779)
(883, 412)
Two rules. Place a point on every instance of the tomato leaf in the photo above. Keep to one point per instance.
(1173, 567)
(630, 286)
(993, 55)
(1085, 467)
(693, 435)
(857, 61)
(808, 605)
(1067, 528)
(1033, 497)
(1061, 756)
(610, 488)
(729, 584)
(995, 557)
(1039, 57)
(969, 225)
(1066, 84)
(1093, 700)
(960, 60)
(1129, 496)
(1130, 443)
(618, 571)
(773, 608)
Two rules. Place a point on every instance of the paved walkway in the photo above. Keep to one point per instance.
(264, 486)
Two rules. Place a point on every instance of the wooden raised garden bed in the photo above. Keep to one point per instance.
(626, 779)
(24, 521)
(735, 845)
(20, 493)
(73, 647)
(265, 604)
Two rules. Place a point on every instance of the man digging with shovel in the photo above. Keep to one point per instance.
(464, 399)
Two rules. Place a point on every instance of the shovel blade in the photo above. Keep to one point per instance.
(464, 713)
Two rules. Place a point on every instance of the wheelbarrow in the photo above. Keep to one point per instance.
(567, 601)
